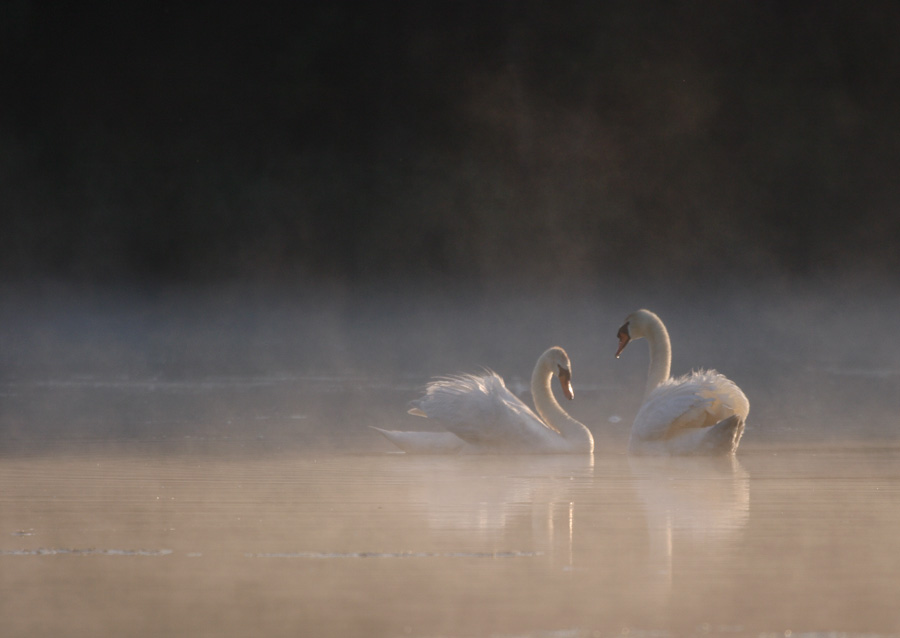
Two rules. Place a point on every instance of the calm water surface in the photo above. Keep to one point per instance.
(235, 540)
(196, 462)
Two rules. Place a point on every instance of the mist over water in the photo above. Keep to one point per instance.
(316, 365)
(177, 452)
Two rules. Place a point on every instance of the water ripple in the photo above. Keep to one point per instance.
(506, 554)
(54, 551)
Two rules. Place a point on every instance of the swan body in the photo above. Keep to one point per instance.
(480, 415)
(699, 413)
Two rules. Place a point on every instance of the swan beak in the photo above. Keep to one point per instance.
(565, 380)
(624, 338)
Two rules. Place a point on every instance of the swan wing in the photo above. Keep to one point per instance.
(695, 401)
(482, 411)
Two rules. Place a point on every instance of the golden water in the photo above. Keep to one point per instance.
(242, 542)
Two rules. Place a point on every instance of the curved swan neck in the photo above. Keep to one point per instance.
(660, 353)
(552, 412)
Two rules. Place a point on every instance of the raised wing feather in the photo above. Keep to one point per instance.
(482, 411)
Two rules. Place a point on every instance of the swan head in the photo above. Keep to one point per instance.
(557, 361)
(636, 326)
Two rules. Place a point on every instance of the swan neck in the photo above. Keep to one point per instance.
(660, 355)
(552, 412)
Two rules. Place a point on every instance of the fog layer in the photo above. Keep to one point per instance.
(316, 366)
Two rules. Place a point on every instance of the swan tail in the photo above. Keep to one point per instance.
(423, 442)
(723, 437)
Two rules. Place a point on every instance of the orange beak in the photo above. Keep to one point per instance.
(565, 380)
(624, 338)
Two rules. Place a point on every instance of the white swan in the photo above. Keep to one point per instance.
(700, 413)
(480, 415)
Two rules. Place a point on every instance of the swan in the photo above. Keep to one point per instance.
(480, 415)
(699, 413)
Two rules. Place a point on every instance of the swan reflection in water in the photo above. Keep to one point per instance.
(524, 500)
(696, 508)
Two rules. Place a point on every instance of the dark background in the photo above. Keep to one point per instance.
(172, 142)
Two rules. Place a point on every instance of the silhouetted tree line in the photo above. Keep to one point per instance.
(193, 141)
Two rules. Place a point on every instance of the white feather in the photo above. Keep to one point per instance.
(679, 416)
(483, 416)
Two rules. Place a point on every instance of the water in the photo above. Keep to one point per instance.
(237, 540)
(191, 468)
